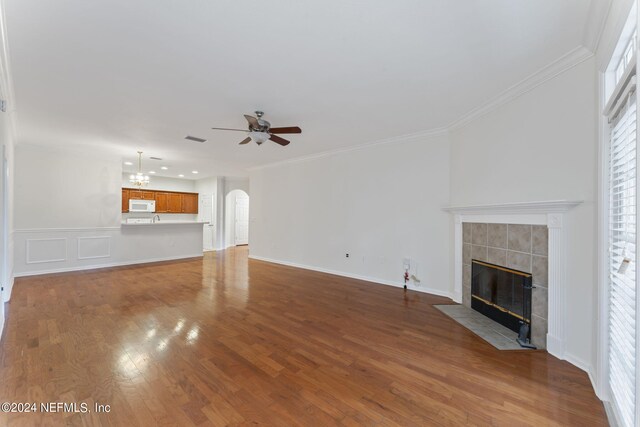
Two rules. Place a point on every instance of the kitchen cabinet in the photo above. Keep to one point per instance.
(190, 203)
(135, 194)
(175, 203)
(125, 200)
(162, 202)
(166, 201)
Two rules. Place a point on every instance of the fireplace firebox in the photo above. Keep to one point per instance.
(504, 295)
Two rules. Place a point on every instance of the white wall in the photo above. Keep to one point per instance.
(234, 183)
(58, 189)
(379, 204)
(164, 183)
(542, 146)
(68, 217)
(219, 187)
(57, 250)
(6, 214)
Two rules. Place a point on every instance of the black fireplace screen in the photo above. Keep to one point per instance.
(501, 293)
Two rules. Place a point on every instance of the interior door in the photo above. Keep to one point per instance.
(207, 215)
(242, 220)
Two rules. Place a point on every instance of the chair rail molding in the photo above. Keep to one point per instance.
(550, 213)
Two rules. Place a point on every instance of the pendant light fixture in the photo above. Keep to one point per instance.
(139, 180)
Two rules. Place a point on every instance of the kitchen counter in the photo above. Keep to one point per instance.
(147, 224)
(163, 240)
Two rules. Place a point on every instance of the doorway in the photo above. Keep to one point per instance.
(208, 216)
(236, 218)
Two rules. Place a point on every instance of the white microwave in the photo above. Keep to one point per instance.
(142, 205)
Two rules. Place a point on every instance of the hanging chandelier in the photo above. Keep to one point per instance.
(139, 179)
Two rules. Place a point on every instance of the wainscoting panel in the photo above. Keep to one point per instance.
(55, 250)
(46, 250)
(93, 247)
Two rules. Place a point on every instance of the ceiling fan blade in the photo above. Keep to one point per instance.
(245, 141)
(236, 130)
(289, 129)
(278, 140)
(253, 122)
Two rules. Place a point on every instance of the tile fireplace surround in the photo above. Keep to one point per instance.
(522, 247)
(549, 214)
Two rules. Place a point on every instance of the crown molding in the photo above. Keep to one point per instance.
(564, 63)
(328, 153)
(596, 20)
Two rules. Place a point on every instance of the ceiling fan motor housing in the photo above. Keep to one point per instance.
(264, 125)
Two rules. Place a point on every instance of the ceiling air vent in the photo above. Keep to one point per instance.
(155, 158)
(195, 139)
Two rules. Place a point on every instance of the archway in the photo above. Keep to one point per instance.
(236, 218)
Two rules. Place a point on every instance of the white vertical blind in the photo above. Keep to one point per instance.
(622, 262)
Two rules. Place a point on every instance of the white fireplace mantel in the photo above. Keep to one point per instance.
(550, 213)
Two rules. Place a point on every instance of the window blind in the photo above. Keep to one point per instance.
(622, 261)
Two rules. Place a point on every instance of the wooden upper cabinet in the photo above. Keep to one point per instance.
(162, 202)
(175, 203)
(190, 203)
(125, 200)
(166, 201)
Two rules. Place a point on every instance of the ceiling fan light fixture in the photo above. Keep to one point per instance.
(260, 130)
(259, 137)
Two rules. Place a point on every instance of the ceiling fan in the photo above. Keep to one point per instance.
(260, 130)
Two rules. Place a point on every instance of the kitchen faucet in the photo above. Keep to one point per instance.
(154, 218)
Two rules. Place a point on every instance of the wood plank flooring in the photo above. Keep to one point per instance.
(229, 341)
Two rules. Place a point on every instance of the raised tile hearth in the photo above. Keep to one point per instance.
(492, 332)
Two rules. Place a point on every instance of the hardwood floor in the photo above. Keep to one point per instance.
(223, 341)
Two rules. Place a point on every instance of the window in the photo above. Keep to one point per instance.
(622, 217)
(622, 257)
(626, 58)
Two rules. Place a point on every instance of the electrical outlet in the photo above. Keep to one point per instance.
(346, 255)
(406, 263)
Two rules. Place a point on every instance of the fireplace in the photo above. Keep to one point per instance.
(504, 295)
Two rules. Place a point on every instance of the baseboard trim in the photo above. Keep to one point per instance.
(577, 362)
(457, 297)
(581, 364)
(594, 383)
(107, 265)
(611, 414)
(2, 321)
(374, 280)
(6, 295)
(555, 347)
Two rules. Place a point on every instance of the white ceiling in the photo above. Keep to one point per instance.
(116, 76)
